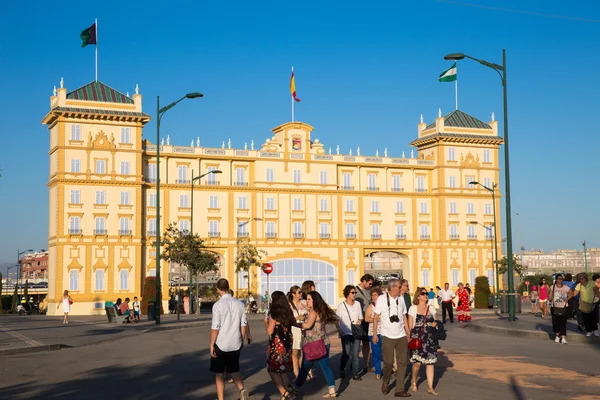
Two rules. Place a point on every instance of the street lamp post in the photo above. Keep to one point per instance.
(159, 114)
(495, 261)
(19, 272)
(194, 179)
(501, 70)
(492, 190)
(584, 244)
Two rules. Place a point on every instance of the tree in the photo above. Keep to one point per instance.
(517, 267)
(482, 292)
(0, 291)
(13, 307)
(247, 257)
(26, 290)
(187, 250)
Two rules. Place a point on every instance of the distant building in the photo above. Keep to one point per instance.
(572, 261)
(34, 267)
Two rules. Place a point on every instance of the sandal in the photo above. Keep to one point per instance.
(286, 395)
(330, 395)
(292, 391)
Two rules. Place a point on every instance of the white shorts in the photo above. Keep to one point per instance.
(297, 338)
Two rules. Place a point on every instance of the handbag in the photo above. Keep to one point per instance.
(314, 351)
(358, 332)
(417, 343)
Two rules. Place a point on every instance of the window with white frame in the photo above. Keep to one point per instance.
(375, 230)
(351, 276)
(243, 228)
(454, 276)
(296, 176)
(423, 207)
(125, 135)
(324, 229)
(349, 205)
(100, 225)
(75, 166)
(152, 172)
(399, 206)
(468, 180)
(125, 167)
(487, 182)
(420, 183)
(243, 279)
(350, 229)
(297, 229)
(211, 177)
(152, 272)
(452, 207)
(182, 174)
(213, 202)
(400, 231)
(470, 208)
(124, 279)
(152, 227)
(486, 156)
(453, 231)
(347, 177)
(270, 228)
(184, 201)
(396, 183)
(99, 279)
(487, 208)
(491, 277)
(425, 231)
(152, 200)
(184, 225)
(100, 166)
(451, 156)
(489, 229)
(240, 176)
(323, 177)
(471, 231)
(425, 276)
(270, 174)
(75, 132)
(472, 276)
(75, 197)
(323, 205)
(372, 179)
(270, 203)
(100, 197)
(243, 203)
(125, 198)
(297, 204)
(452, 181)
(213, 228)
(374, 206)
(75, 224)
(73, 280)
(124, 223)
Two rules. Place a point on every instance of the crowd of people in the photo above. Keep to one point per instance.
(392, 330)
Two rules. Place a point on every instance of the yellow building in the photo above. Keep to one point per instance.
(319, 214)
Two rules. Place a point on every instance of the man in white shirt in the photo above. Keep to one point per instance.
(390, 312)
(227, 330)
(446, 295)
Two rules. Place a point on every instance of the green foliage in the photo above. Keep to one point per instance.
(482, 291)
(13, 307)
(248, 256)
(517, 267)
(149, 294)
(26, 290)
(188, 250)
(534, 280)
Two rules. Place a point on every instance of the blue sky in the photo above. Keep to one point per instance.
(365, 71)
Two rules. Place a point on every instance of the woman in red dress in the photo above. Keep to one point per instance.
(463, 309)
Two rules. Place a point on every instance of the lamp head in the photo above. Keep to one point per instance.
(216, 171)
(194, 95)
(473, 183)
(454, 56)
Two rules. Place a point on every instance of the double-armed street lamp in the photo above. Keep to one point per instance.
(501, 70)
(159, 114)
(194, 179)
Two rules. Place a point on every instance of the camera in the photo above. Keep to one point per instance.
(394, 318)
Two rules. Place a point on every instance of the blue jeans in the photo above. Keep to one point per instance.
(376, 354)
(323, 364)
(350, 351)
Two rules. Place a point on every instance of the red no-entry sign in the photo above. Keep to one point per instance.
(267, 268)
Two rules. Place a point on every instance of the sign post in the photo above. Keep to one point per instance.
(527, 286)
(267, 269)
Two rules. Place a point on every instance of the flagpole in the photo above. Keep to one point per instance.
(96, 23)
(293, 105)
(456, 86)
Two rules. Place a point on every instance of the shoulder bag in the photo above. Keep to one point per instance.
(417, 343)
(557, 311)
(314, 351)
(358, 331)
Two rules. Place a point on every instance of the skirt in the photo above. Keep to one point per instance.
(296, 338)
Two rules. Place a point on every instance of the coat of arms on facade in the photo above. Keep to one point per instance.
(296, 143)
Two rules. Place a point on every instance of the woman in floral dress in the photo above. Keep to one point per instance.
(418, 314)
(278, 324)
(463, 310)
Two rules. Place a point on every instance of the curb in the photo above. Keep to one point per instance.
(34, 349)
(523, 333)
(175, 326)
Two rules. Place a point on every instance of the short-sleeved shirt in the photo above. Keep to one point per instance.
(431, 295)
(392, 330)
(228, 316)
(587, 292)
(136, 306)
(559, 295)
(349, 315)
(412, 311)
(407, 300)
(124, 307)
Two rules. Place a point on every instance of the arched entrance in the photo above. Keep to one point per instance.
(385, 263)
(293, 271)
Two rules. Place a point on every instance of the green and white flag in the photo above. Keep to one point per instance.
(449, 75)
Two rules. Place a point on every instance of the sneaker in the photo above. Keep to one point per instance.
(563, 341)
(556, 339)
(244, 394)
(589, 334)
(595, 333)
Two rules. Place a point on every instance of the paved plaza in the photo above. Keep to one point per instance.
(141, 362)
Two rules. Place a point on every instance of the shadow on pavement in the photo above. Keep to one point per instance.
(516, 389)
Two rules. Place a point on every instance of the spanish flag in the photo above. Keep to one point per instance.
(293, 86)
